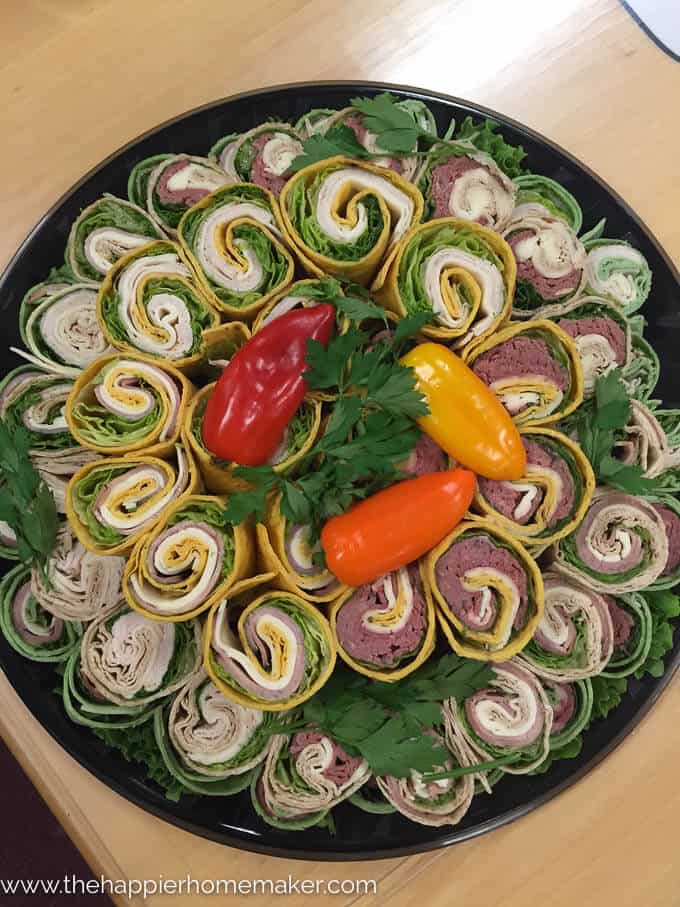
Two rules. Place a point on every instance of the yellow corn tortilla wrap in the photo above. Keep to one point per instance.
(230, 251)
(183, 558)
(169, 387)
(388, 675)
(536, 531)
(485, 645)
(308, 612)
(219, 477)
(372, 267)
(545, 389)
(109, 287)
(271, 543)
(453, 277)
(151, 502)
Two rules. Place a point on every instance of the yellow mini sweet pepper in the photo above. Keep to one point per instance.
(466, 419)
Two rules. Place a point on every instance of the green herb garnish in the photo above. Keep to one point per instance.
(386, 723)
(26, 503)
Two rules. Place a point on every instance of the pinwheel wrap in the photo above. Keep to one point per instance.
(105, 231)
(667, 507)
(62, 332)
(541, 196)
(620, 546)
(36, 401)
(616, 270)
(150, 303)
(602, 337)
(633, 625)
(642, 373)
(575, 637)
(188, 560)
(462, 273)
(644, 443)
(122, 404)
(219, 345)
(58, 280)
(169, 184)
(303, 777)
(385, 629)
(435, 803)
(262, 155)
(552, 496)
(487, 589)
(511, 717)
(112, 502)
(209, 743)
(80, 584)
(281, 653)
(284, 550)
(125, 666)
(550, 261)
(460, 181)
(346, 218)
(533, 367)
(572, 708)
(28, 628)
(233, 240)
(218, 475)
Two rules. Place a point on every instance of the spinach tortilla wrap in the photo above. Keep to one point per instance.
(62, 332)
(633, 627)
(105, 231)
(169, 184)
(188, 560)
(458, 180)
(346, 217)
(461, 272)
(319, 122)
(262, 155)
(121, 404)
(620, 546)
(533, 367)
(126, 665)
(151, 303)
(31, 630)
(298, 439)
(616, 270)
(551, 261)
(278, 655)
(209, 743)
(511, 717)
(112, 502)
(233, 240)
(441, 802)
(304, 776)
(575, 637)
(487, 590)
(552, 496)
(602, 336)
(540, 195)
(385, 629)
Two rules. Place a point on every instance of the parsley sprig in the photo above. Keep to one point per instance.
(386, 723)
(369, 432)
(599, 424)
(26, 503)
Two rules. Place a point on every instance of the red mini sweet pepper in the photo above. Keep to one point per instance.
(260, 390)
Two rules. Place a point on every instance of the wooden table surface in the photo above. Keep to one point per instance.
(78, 78)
